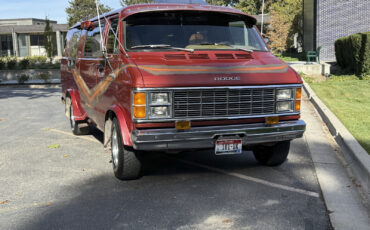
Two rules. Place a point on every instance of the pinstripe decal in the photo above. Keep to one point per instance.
(102, 86)
(169, 70)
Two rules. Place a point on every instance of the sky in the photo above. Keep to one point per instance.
(53, 9)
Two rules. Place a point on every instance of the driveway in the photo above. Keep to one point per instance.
(51, 179)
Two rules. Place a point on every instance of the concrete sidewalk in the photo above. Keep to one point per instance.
(347, 210)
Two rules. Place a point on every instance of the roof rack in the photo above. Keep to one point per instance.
(200, 2)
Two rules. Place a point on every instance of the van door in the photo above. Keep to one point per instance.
(88, 68)
(111, 64)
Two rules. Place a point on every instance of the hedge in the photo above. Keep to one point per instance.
(353, 52)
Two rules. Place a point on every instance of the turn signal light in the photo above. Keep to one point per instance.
(139, 99)
(298, 99)
(182, 125)
(297, 105)
(272, 120)
(139, 112)
(298, 93)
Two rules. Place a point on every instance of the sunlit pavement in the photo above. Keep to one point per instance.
(51, 179)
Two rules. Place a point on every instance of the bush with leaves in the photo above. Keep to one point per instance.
(353, 53)
(23, 78)
(37, 59)
(24, 63)
(2, 63)
(11, 62)
(44, 76)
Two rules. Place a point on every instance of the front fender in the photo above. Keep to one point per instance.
(125, 123)
(78, 112)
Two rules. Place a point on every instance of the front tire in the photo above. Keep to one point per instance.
(126, 164)
(272, 155)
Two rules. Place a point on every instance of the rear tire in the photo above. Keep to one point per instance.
(272, 155)
(78, 127)
(126, 164)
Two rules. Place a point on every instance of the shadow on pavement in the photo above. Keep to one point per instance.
(6, 93)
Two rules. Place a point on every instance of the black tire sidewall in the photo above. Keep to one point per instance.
(272, 155)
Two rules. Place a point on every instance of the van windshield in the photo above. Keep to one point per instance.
(192, 31)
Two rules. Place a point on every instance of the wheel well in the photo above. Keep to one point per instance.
(107, 128)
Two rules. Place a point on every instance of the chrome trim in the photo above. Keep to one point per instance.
(216, 118)
(219, 87)
(205, 137)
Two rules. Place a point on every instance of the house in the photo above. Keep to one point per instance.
(324, 21)
(24, 37)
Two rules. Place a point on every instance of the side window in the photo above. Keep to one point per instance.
(72, 38)
(92, 43)
(112, 44)
(74, 44)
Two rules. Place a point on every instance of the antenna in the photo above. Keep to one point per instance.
(101, 34)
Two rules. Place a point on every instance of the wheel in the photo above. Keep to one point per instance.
(126, 164)
(272, 155)
(78, 128)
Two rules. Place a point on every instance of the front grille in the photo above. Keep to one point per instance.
(223, 102)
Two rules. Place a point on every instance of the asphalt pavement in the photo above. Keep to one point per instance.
(51, 179)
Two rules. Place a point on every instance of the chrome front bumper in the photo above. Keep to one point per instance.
(205, 137)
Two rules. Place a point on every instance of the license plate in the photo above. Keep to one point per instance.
(228, 146)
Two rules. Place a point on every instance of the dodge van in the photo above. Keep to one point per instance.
(178, 77)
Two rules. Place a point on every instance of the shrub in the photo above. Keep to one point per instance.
(45, 77)
(2, 63)
(37, 59)
(11, 62)
(353, 52)
(24, 63)
(23, 78)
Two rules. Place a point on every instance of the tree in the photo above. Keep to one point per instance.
(131, 2)
(247, 6)
(286, 20)
(49, 38)
(79, 10)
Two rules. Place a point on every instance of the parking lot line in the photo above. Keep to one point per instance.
(238, 175)
(256, 180)
(71, 134)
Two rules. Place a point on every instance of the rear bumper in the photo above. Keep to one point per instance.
(205, 137)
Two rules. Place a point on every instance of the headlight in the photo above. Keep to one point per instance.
(159, 111)
(159, 98)
(284, 94)
(284, 106)
(160, 105)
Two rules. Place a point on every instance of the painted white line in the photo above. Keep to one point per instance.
(72, 135)
(256, 180)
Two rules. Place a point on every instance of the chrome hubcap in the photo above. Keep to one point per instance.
(115, 148)
(71, 117)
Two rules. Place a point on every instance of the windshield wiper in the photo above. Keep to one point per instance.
(162, 46)
(225, 44)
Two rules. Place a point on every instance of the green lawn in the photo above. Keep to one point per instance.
(291, 57)
(349, 99)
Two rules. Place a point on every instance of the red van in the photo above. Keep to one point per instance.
(174, 77)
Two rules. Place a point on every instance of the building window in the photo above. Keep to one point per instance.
(37, 40)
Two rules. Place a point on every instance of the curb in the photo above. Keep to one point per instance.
(356, 157)
(31, 86)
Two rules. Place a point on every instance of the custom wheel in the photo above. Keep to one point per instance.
(126, 164)
(272, 155)
(78, 128)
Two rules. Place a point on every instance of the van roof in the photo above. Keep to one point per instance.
(151, 7)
